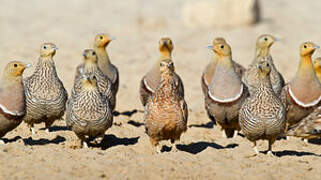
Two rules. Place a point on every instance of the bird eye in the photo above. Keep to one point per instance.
(15, 65)
(44, 47)
(267, 65)
(222, 46)
(101, 37)
(305, 46)
(265, 39)
(161, 64)
(94, 53)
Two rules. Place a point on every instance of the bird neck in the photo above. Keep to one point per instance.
(167, 86)
(305, 70)
(8, 80)
(261, 52)
(103, 58)
(225, 62)
(90, 66)
(165, 54)
(46, 67)
(265, 83)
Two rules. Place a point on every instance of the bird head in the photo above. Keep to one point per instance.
(15, 69)
(264, 68)
(218, 40)
(90, 56)
(308, 48)
(102, 40)
(48, 50)
(222, 49)
(167, 66)
(265, 41)
(165, 44)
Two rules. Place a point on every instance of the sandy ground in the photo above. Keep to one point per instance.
(126, 152)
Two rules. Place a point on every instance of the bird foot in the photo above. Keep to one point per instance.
(174, 148)
(287, 138)
(270, 153)
(2, 142)
(47, 130)
(256, 151)
(33, 131)
(235, 134)
(223, 134)
(84, 144)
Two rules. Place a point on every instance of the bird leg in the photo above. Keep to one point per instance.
(32, 128)
(47, 125)
(84, 144)
(156, 148)
(255, 148)
(174, 148)
(235, 133)
(270, 153)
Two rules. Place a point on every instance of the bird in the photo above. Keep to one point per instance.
(209, 70)
(88, 113)
(226, 92)
(45, 93)
(317, 67)
(309, 127)
(262, 115)
(151, 79)
(166, 112)
(12, 97)
(303, 93)
(262, 53)
(101, 41)
(103, 82)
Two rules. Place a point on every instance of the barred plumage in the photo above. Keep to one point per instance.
(150, 81)
(88, 112)
(262, 115)
(103, 82)
(303, 93)
(101, 41)
(226, 92)
(250, 78)
(166, 111)
(12, 98)
(45, 94)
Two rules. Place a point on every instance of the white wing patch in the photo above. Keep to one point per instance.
(313, 103)
(146, 85)
(228, 100)
(7, 111)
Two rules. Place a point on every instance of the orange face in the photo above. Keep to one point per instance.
(308, 48)
(15, 68)
(102, 40)
(265, 41)
(222, 49)
(48, 50)
(165, 44)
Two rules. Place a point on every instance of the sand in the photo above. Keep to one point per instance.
(126, 152)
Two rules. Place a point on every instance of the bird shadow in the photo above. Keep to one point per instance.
(195, 148)
(126, 113)
(316, 141)
(57, 128)
(208, 125)
(293, 153)
(135, 123)
(31, 142)
(111, 140)
(6, 140)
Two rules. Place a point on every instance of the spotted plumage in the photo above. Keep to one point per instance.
(151, 80)
(226, 92)
(12, 98)
(262, 115)
(101, 41)
(262, 53)
(166, 111)
(88, 112)
(103, 82)
(309, 127)
(303, 93)
(45, 94)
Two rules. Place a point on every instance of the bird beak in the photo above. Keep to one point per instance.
(84, 54)
(209, 47)
(259, 66)
(276, 39)
(55, 48)
(28, 65)
(316, 46)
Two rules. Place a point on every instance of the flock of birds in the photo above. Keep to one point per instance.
(254, 101)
